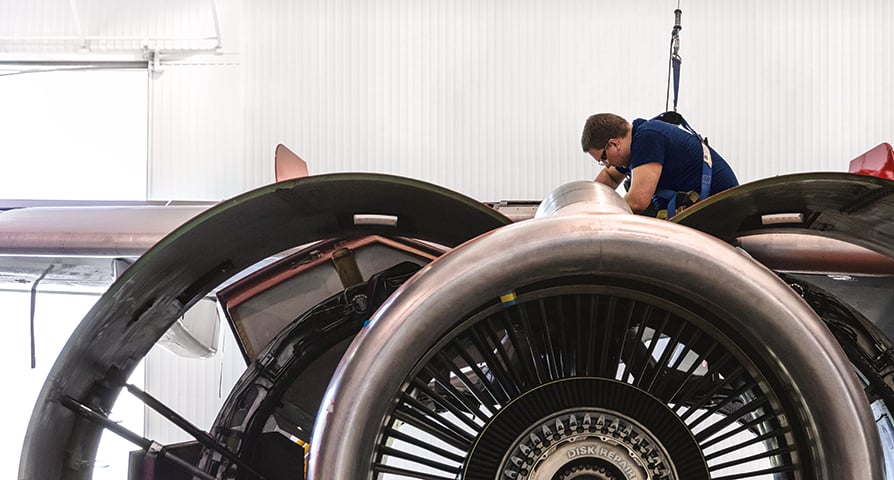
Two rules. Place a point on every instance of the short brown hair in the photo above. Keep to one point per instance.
(600, 128)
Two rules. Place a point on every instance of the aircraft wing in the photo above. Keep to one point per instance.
(81, 245)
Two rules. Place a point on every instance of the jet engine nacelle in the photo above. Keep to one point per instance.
(583, 343)
(594, 345)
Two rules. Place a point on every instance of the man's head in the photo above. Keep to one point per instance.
(599, 131)
(600, 128)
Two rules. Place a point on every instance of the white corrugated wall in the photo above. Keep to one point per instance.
(103, 26)
(486, 97)
(195, 137)
(791, 86)
(489, 97)
(483, 96)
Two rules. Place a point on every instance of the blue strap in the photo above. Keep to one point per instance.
(706, 161)
(689, 128)
(706, 174)
(670, 196)
(676, 63)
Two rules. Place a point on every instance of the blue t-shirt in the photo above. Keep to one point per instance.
(680, 154)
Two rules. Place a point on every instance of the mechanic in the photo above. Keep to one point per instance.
(669, 166)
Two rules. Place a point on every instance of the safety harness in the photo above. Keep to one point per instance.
(674, 198)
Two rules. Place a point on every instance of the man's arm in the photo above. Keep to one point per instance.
(609, 176)
(644, 181)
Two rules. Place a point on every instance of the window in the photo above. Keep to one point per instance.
(73, 134)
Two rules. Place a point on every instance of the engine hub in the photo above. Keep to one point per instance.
(587, 444)
(552, 433)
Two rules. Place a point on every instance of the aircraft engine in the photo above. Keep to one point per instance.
(600, 346)
(436, 339)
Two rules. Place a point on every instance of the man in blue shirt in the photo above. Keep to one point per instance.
(658, 156)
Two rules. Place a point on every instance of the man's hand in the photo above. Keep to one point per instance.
(610, 176)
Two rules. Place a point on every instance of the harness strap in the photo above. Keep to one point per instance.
(671, 196)
(707, 165)
(675, 59)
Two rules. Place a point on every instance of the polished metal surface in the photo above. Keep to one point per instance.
(795, 252)
(71, 246)
(515, 210)
(582, 198)
(90, 230)
(770, 321)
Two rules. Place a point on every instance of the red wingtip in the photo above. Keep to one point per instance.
(878, 162)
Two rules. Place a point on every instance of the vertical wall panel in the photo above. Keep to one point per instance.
(489, 97)
(790, 86)
(196, 150)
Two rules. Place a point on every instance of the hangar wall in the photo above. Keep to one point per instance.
(487, 98)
